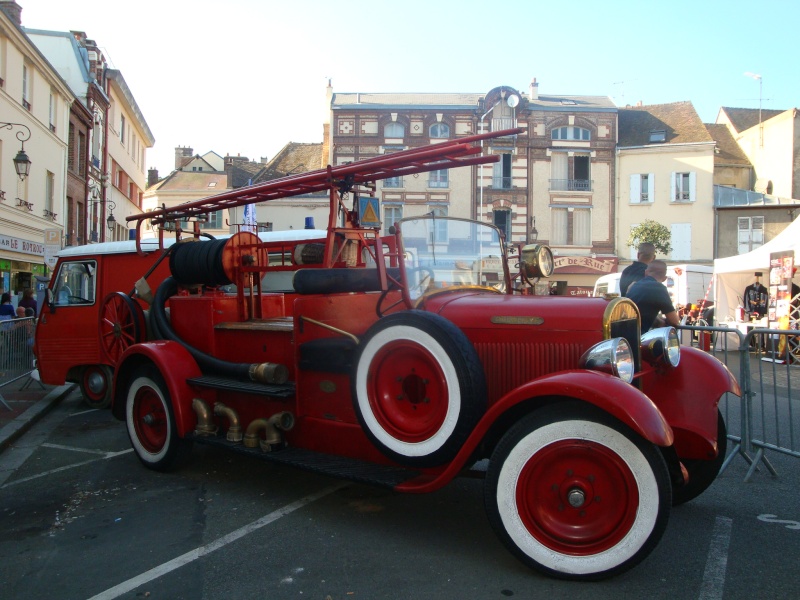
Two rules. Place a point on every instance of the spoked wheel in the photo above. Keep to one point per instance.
(122, 324)
(95, 385)
(151, 421)
(702, 473)
(419, 387)
(576, 494)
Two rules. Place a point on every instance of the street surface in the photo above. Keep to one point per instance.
(81, 518)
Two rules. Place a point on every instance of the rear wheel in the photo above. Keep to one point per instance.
(151, 420)
(702, 473)
(95, 383)
(576, 494)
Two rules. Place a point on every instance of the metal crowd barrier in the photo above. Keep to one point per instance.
(16, 351)
(766, 363)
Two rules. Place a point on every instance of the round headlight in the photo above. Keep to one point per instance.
(536, 260)
(661, 345)
(610, 356)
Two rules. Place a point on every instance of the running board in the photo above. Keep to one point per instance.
(245, 387)
(317, 462)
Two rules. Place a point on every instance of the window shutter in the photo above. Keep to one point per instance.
(744, 235)
(672, 187)
(636, 192)
(651, 187)
(692, 186)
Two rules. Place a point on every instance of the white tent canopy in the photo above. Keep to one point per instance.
(735, 273)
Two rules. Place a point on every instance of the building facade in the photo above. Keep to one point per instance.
(35, 106)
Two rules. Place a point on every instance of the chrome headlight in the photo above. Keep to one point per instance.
(661, 346)
(610, 356)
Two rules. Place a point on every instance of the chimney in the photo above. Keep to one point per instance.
(534, 90)
(152, 177)
(181, 154)
(12, 10)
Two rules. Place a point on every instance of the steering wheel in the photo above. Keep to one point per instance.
(425, 275)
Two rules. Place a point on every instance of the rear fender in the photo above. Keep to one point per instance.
(689, 397)
(175, 364)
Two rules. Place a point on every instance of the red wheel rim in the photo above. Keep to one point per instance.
(407, 391)
(577, 497)
(120, 326)
(91, 376)
(150, 420)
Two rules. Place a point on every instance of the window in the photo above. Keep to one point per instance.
(26, 87)
(571, 226)
(392, 213)
(214, 221)
(502, 220)
(439, 227)
(393, 182)
(658, 135)
(438, 179)
(394, 130)
(570, 173)
(751, 233)
(72, 151)
(75, 283)
(122, 129)
(571, 133)
(642, 188)
(501, 176)
(440, 130)
(49, 192)
(53, 105)
(81, 153)
(683, 187)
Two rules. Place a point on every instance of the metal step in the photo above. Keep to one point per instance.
(317, 462)
(247, 387)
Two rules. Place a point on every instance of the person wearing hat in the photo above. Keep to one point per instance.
(755, 298)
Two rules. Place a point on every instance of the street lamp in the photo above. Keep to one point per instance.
(22, 164)
(534, 231)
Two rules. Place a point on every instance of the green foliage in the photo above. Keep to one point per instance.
(653, 232)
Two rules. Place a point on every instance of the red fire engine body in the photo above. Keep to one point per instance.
(402, 360)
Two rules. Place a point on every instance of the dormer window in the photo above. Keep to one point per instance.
(571, 133)
(658, 135)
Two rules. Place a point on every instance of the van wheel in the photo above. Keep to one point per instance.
(122, 325)
(95, 383)
(151, 420)
(576, 494)
(418, 388)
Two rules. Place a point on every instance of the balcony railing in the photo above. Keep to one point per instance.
(501, 183)
(570, 185)
(502, 123)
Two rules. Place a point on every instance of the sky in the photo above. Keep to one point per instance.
(247, 77)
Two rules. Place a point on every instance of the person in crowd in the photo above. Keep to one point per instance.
(6, 308)
(20, 312)
(28, 300)
(646, 253)
(651, 296)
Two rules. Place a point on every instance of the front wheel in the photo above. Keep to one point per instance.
(95, 383)
(151, 420)
(576, 494)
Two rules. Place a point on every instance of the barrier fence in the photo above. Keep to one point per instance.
(766, 363)
(16, 351)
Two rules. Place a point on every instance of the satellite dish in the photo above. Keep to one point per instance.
(512, 100)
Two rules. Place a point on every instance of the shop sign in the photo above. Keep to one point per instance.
(585, 264)
(19, 245)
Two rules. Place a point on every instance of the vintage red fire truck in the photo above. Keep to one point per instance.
(404, 359)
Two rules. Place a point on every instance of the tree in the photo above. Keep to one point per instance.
(653, 232)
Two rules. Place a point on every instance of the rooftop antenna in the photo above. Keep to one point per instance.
(758, 78)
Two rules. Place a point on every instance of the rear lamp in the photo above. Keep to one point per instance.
(610, 356)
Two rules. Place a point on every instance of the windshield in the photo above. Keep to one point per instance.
(442, 252)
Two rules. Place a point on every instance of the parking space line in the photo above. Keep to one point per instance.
(192, 555)
(717, 562)
(74, 449)
(67, 467)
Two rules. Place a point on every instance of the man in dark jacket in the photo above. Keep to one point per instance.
(651, 296)
(635, 271)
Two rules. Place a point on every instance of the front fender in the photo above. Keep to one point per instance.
(175, 364)
(621, 400)
(688, 397)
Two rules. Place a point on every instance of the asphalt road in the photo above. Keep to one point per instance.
(81, 518)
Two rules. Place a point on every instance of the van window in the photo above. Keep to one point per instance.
(76, 283)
